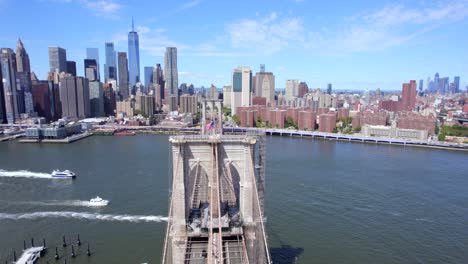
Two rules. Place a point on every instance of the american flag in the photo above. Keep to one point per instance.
(210, 126)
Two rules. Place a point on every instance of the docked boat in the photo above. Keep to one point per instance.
(98, 201)
(63, 174)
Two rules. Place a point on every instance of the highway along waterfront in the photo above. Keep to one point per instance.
(326, 201)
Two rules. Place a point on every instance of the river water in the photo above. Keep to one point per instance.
(326, 201)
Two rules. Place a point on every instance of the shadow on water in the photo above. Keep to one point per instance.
(285, 254)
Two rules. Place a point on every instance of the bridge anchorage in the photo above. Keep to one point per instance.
(216, 205)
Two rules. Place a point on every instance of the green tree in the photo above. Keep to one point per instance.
(139, 112)
(226, 111)
(290, 123)
(455, 130)
(441, 137)
(346, 121)
(259, 122)
(357, 129)
(235, 118)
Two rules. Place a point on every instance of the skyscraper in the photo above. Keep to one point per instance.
(74, 96)
(40, 94)
(23, 66)
(292, 90)
(2, 100)
(158, 83)
(456, 80)
(421, 84)
(82, 97)
(148, 77)
(408, 97)
(8, 69)
(109, 99)
(93, 54)
(110, 67)
(227, 95)
(123, 75)
(96, 96)
(133, 56)
(171, 76)
(444, 84)
(22, 58)
(329, 88)
(91, 69)
(435, 84)
(303, 89)
(57, 59)
(241, 88)
(71, 68)
(265, 84)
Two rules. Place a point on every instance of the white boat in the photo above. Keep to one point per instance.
(30, 255)
(98, 201)
(63, 174)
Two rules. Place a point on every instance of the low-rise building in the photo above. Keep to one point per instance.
(394, 132)
(125, 108)
(53, 132)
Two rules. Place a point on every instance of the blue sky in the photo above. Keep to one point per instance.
(353, 45)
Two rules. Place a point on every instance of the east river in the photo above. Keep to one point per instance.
(326, 201)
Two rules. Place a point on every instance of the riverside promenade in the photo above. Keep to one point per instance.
(302, 134)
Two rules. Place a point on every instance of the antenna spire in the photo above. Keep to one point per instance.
(133, 26)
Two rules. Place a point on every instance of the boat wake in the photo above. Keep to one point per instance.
(85, 216)
(60, 203)
(24, 174)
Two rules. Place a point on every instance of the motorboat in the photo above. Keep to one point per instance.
(63, 174)
(98, 201)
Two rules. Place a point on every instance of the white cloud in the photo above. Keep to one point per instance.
(398, 14)
(152, 40)
(190, 4)
(265, 35)
(101, 8)
(376, 30)
(391, 26)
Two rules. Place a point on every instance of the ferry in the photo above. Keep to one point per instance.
(98, 201)
(63, 174)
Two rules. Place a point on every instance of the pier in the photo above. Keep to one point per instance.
(66, 140)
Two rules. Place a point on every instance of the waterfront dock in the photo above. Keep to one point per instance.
(12, 137)
(69, 139)
(66, 140)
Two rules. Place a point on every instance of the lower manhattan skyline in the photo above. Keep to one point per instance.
(364, 45)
